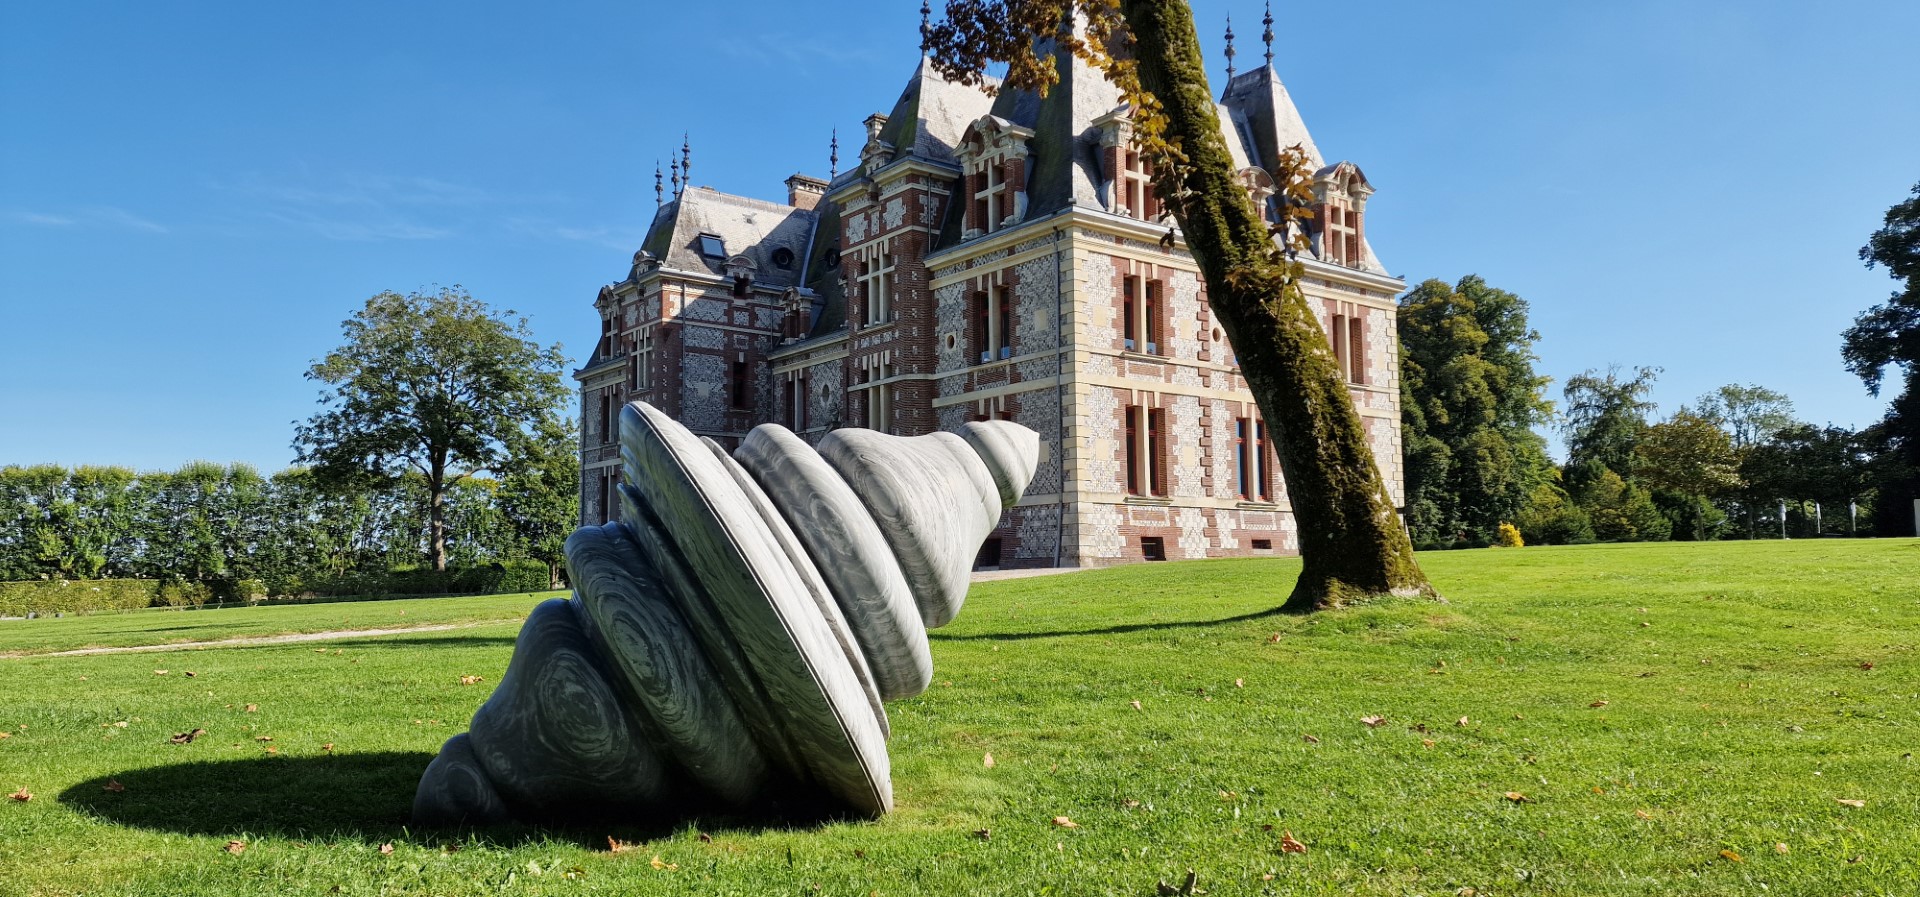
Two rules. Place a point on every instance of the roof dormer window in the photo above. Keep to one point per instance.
(712, 246)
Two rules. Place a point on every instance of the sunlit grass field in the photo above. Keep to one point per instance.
(1732, 718)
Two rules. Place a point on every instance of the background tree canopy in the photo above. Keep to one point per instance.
(438, 385)
(1887, 336)
(1469, 402)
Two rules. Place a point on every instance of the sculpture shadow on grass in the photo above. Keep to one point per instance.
(349, 797)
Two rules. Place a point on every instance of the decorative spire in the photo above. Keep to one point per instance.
(833, 157)
(1229, 47)
(926, 25)
(686, 159)
(659, 191)
(675, 163)
(1268, 36)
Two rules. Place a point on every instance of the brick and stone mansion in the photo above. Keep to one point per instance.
(998, 257)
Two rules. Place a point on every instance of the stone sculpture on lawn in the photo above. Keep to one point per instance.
(733, 635)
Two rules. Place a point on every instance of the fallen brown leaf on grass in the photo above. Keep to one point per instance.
(1309, 739)
(984, 834)
(1856, 804)
(159, 672)
(470, 680)
(386, 850)
(114, 786)
(23, 795)
(263, 738)
(1374, 722)
(659, 864)
(1274, 637)
(1064, 822)
(987, 761)
(328, 747)
(1239, 683)
(1730, 855)
(1866, 664)
(706, 838)
(187, 737)
(1135, 705)
(6, 734)
(1782, 848)
(1518, 798)
(617, 846)
(1599, 704)
(1290, 844)
(1461, 722)
(1643, 814)
(1426, 742)
(189, 674)
(272, 750)
(236, 847)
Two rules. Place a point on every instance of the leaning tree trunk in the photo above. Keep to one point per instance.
(1352, 545)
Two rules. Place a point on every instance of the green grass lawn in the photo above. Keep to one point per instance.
(1663, 709)
(166, 626)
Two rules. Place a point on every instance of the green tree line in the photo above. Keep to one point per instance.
(1736, 463)
(242, 534)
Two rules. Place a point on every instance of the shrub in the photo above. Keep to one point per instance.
(1554, 519)
(1509, 537)
(183, 594)
(17, 599)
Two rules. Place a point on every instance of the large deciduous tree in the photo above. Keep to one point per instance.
(1888, 336)
(1605, 415)
(1469, 402)
(1352, 543)
(439, 384)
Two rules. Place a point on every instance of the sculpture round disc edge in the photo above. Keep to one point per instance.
(767, 613)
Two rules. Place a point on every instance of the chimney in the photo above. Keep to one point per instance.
(804, 191)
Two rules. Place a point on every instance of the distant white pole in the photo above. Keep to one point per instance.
(1853, 518)
(1783, 519)
(1819, 527)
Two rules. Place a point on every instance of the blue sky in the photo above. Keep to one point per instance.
(192, 196)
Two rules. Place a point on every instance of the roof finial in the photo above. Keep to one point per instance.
(675, 164)
(686, 159)
(926, 25)
(659, 191)
(1268, 37)
(833, 158)
(1229, 47)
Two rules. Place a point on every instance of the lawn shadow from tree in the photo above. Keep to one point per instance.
(361, 797)
(1110, 630)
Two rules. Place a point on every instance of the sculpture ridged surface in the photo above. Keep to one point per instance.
(732, 636)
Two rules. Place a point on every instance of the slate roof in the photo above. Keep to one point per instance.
(754, 228)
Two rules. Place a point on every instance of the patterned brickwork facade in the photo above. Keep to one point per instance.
(963, 272)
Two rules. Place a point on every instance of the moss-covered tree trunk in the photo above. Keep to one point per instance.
(1352, 545)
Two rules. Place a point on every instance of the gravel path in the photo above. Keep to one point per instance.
(297, 637)
(289, 639)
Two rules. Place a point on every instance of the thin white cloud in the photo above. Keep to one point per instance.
(90, 216)
(612, 237)
(359, 206)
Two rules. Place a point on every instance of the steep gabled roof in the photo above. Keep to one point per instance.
(931, 113)
(1273, 123)
(751, 227)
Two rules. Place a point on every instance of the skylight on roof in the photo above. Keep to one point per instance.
(712, 247)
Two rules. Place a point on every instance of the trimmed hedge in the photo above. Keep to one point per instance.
(494, 579)
(17, 599)
(48, 596)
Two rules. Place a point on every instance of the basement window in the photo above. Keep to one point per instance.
(1153, 548)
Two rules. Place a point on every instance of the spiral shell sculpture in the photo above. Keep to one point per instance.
(733, 635)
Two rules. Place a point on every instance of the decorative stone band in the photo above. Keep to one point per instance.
(732, 636)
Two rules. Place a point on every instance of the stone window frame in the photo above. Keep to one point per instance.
(993, 153)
